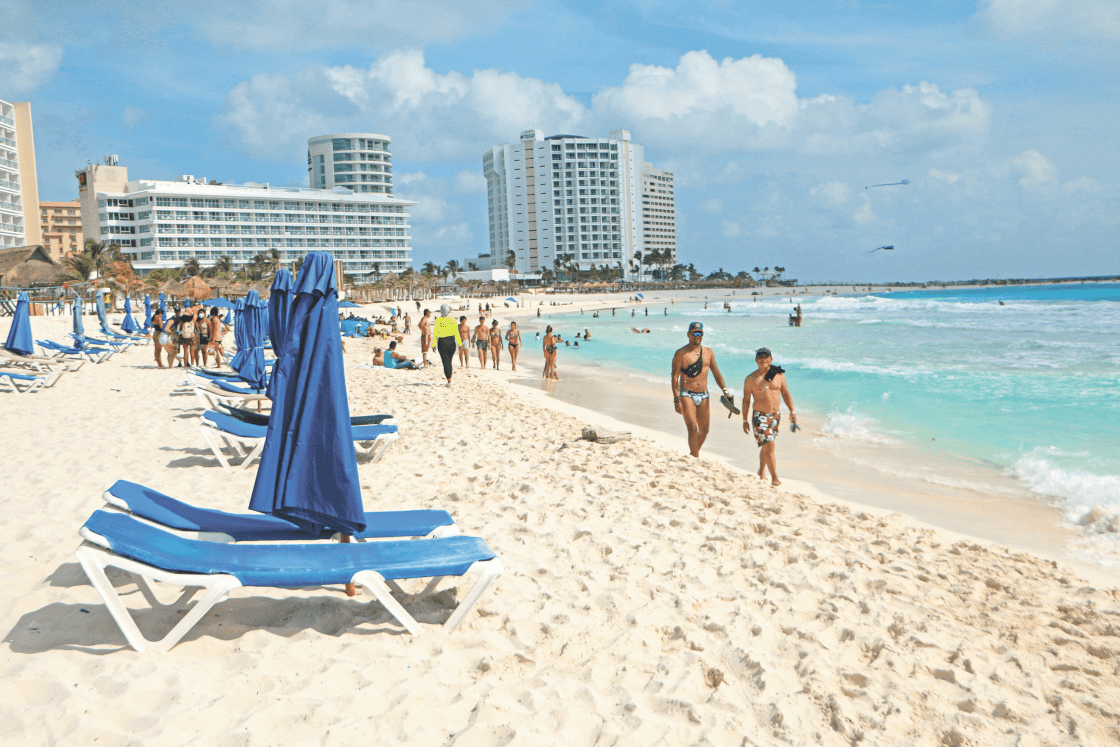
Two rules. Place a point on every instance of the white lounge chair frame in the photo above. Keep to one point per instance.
(250, 448)
(94, 557)
(8, 380)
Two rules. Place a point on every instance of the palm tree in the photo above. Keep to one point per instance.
(81, 264)
(453, 269)
(510, 260)
(191, 268)
(430, 268)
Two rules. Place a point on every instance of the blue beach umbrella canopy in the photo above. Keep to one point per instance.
(129, 324)
(279, 317)
(101, 317)
(348, 305)
(147, 313)
(79, 327)
(308, 472)
(19, 335)
(162, 304)
(249, 361)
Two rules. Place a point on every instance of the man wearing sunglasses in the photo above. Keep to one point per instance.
(690, 386)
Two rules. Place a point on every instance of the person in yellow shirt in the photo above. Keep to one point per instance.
(445, 335)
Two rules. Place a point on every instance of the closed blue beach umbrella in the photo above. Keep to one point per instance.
(249, 361)
(308, 472)
(129, 324)
(19, 336)
(187, 304)
(79, 327)
(238, 333)
(147, 313)
(162, 304)
(279, 317)
(101, 316)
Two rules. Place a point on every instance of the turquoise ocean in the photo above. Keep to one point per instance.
(993, 391)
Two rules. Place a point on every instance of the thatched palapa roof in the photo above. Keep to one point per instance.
(23, 266)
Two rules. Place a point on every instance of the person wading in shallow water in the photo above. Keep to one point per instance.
(767, 387)
(690, 386)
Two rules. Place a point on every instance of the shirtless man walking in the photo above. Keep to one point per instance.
(767, 387)
(464, 349)
(481, 339)
(690, 386)
(425, 325)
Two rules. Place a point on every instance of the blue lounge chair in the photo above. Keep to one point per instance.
(261, 418)
(89, 352)
(211, 525)
(38, 363)
(150, 554)
(25, 383)
(247, 440)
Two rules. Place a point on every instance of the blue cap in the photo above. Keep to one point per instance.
(695, 326)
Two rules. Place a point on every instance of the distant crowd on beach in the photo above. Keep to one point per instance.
(188, 333)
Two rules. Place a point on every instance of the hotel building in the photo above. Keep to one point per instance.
(659, 216)
(359, 161)
(567, 199)
(19, 188)
(166, 223)
(61, 223)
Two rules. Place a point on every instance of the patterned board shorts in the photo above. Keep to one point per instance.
(765, 426)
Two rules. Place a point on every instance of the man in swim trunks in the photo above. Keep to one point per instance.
(464, 350)
(767, 387)
(425, 325)
(690, 386)
(481, 339)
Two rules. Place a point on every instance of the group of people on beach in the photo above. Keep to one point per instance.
(763, 392)
(188, 332)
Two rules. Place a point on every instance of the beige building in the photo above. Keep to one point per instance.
(659, 215)
(19, 188)
(94, 178)
(61, 224)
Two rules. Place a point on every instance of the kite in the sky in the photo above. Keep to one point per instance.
(892, 184)
(884, 248)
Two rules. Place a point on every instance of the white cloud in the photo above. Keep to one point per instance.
(702, 100)
(711, 107)
(946, 176)
(431, 116)
(864, 215)
(714, 205)
(1084, 184)
(469, 182)
(832, 193)
(730, 229)
(333, 24)
(1053, 19)
(1032, 168)
(457, 233)
(132, 116)
(24, 66)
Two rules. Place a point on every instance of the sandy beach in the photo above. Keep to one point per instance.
(648, 598)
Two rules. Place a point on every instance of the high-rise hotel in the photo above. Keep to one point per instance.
(19, 191)
(569, 199)
(167, 223)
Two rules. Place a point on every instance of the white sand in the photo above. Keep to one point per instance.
(648, 598)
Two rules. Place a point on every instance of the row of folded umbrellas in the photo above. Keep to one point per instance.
(308, 472)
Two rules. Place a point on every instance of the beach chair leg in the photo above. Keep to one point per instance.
(155, 602)
(487, 571)
(253, 455)
(94, 560)
(373, 581)
(205, 431)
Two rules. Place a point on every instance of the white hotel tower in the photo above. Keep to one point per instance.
(568, 198)
(349, 210)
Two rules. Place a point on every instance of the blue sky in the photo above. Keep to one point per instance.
(775, 116)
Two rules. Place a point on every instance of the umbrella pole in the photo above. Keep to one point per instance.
(351, 590)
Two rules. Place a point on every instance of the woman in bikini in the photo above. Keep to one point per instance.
(549, 346)
(495, 342)
(513, 339)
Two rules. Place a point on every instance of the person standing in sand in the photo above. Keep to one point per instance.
(548, 344)
(690, 386)
(495, 342)
(217, 328)
(513, 340)
(481, 339)
(767, 387)
(464, 349)
(425, 325)
(446, 335)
